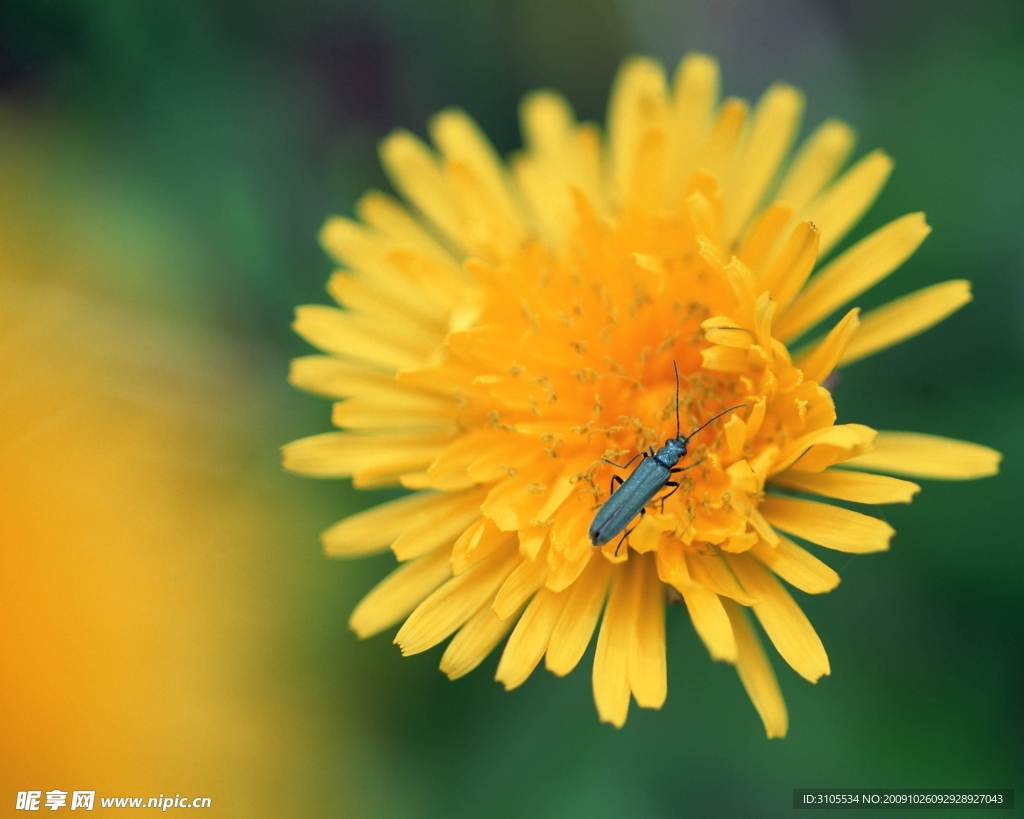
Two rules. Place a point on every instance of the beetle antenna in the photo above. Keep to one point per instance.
(676, 368)
(715, 418)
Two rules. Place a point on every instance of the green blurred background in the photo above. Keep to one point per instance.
(164, 169)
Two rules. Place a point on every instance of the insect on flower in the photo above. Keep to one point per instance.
(502, 327)
(650, 477)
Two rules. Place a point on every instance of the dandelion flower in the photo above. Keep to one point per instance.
(506, 329)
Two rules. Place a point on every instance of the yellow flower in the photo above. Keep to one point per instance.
(509, 327)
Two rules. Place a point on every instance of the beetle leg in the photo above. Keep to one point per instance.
(683, 468)
(619, 544)
(675, 488)
(626, 534)
(627, 463)
(611, 486)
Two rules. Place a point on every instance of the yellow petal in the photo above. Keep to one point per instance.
(705, 205)
(638, 100)
(717, 575)
(816, 163)
(521, 584)
(399, 410)
(670, 560)
(824, 356)
(928, 456)
(442, 523)
(546, 120)
(756, 674)
(473, 642)
(849, 486)
(364, 296)
(575, 626)
(392, 221)
(725, 359)
(721, 143)
(743, 542)
(585, 165)
(385, 266)
(842, 205)
(647, 669)
(344, 334)
(449, 480)
(489, 232)
(824, 447)
(373, 530)
(471, 448)
(763, 528)
(735, 437)
(695, 94)
(561, 488)
(571, 550)
(328, 376)
(502, 456)
(783, 621)
(764, 234)
(647, 182)
(790, 269)
(530, 639)
(342, 454)
(796, 566)
(514, 502)
(710, 622)
(764, 312)
(645, 536)
(420, 480)
(723, 330)
(415, 173)
(830, 526)
(611, 660)
(403, 469)
(756, 418)
(455, 602)
(854, 271)
(460, 140)
(434, 284)
(399, 593)
(531, 539)
(546, 196)
(476, 543)
(906, 317)
(773, 127)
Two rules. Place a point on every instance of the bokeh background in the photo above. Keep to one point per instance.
(167, 621)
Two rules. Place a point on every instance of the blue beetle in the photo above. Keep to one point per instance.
(649, 478)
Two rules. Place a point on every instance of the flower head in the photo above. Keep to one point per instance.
(510, 329)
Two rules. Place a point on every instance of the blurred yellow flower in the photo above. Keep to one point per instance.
(511, 326)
